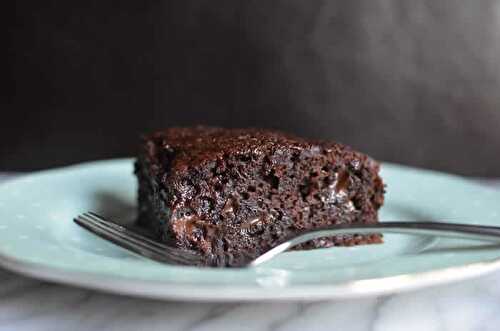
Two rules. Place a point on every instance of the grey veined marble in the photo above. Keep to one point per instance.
(27, 304)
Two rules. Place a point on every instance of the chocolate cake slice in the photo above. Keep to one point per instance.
(232, 194)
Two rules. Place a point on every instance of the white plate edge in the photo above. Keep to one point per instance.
(164, 291)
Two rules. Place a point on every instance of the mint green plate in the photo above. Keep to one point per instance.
(38, 238)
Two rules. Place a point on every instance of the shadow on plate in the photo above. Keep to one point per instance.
(462, 248)
(116, 208)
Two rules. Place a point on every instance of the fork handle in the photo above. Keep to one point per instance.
(438, 229)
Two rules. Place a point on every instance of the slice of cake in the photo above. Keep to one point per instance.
(232, 194)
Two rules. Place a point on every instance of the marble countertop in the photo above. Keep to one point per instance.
(27, 304)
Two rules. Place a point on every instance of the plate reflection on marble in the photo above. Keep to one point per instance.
(38, 238)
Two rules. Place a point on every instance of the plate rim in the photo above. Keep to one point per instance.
(164, 291)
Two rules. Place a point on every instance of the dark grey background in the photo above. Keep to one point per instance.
(414, 82)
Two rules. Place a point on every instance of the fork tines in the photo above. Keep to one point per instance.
(135, 242)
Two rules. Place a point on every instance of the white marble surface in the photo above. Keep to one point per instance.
(27, 304)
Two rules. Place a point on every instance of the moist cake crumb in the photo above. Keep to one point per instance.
(232, 194)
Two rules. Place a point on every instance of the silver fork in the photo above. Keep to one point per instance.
(154, 250)
(136, 242)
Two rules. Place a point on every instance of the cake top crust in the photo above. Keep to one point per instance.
(194, 146)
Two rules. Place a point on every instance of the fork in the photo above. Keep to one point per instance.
(159, 252)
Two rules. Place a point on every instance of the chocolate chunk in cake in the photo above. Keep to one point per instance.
(232, 194)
